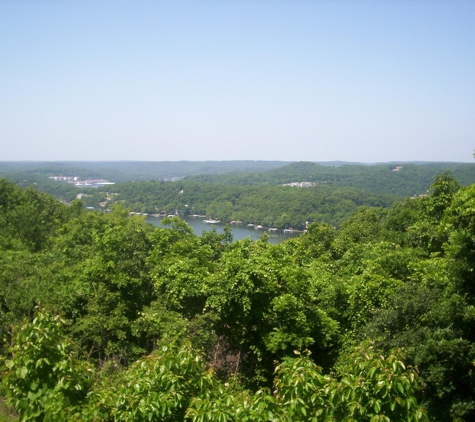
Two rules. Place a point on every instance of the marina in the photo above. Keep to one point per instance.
(239, 231)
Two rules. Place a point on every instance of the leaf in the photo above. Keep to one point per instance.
(377, 407)
(22, 372)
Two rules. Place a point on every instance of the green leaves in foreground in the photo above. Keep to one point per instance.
(373, 388)
(158, 387)
(370, 388)
(43, 381)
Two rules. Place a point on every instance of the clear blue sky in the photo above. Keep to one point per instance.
(365, 81)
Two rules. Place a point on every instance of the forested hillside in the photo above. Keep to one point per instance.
(60, 190)
(271, 206)
(250, 197)
(106, 318)
(409, 180)
(126, 171)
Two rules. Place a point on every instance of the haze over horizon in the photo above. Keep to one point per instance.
(318, 81)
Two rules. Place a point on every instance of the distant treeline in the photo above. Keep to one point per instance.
(126, 171)
(271, 206)
(252, 197)
(60, 190)
(410, 180)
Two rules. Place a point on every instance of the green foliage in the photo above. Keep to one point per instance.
(434, 330)
(180, 262)
(42, 379)
(271, 206)
(25, 280)
(267, 305)
(27, 217)
(105, 282)
(426, 231)
(157, 387)
(362, 227)
(369, 387)
(412, 179)
(373, 387)
(399, 278)
(458, 225)
(45, 382)
(316, 242)
(121, 171)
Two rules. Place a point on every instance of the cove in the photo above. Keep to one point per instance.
(239, 231)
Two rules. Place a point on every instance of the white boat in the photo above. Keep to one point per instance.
(211, 221)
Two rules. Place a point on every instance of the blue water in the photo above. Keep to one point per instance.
(239, 231)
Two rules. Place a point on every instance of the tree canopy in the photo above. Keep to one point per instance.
(106, 318)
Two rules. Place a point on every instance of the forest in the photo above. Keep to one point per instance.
(106, 318)
(253, 197)
(126, 171)
(409, 179)
(270, 206)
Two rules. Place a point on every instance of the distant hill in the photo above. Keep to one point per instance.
(410, 179)
(270, 206)
(124, 171)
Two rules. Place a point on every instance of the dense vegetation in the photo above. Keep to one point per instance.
(410, 180)
(251, 197)
(126, 171)
(271, 206)
(63, 191)
(106, 318)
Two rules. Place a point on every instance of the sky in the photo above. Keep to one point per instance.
(169, 80)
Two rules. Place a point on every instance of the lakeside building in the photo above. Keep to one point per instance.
(299, 184)
(76, 181)
(69, 179)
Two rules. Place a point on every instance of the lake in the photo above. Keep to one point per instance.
(239, 231)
